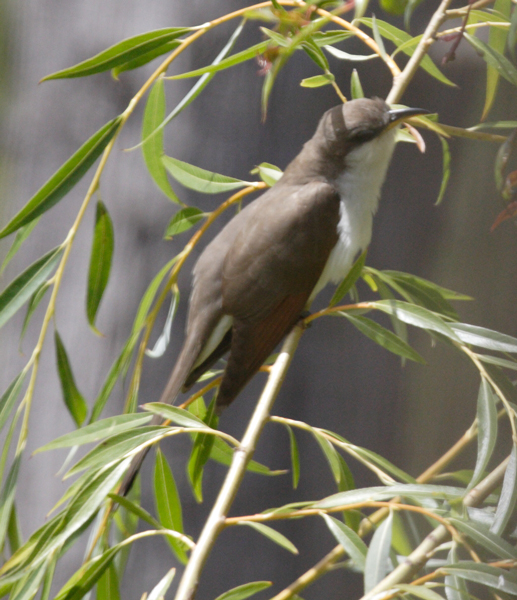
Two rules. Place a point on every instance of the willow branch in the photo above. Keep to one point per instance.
(419, 557)
(242, 456)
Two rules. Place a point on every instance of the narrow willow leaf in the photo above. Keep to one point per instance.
(21, 289)
(269, 174)
(455, 587)
(500, 362)
(242, 592)
(152, 136)
(383, 463)
(416, 316)
(377, 559)
(351, 542)
(180, 416)
(419, 591)
(223, 453)
(235, 59)
(168, 503)
(14, 533)
(29, 585)
(278, 38)
(135, 509)
(494, 59)
(342, 55)
(497, 41)
(7, 497)
(384, 337)
(97, 431)
(425, 285)
(33, 304)
(48, 580)
(21, 235)
(378, 39)
(506, 506)
(512, 34)
(317, 80)
(100, 262)
(480, 534)
(162, 342)
(201, 83)
(485, 338)
(295, 457)
(201, 450)
(330, 454)
(360, 7)
(346, 285)
(201, 180)
(117, 447)
(399, 37)
(492, 577)
(158, 592)
(487, 430)
(416, 492)
(272, 534)
(315, 53)
(108, 586)
(120, 53)
(9, 398)
(145, 58)
(356, 89)
(65, 178)
(74, 400)
(330, 37)
(183, 220)
(446, 169)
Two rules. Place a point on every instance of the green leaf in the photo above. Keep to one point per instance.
(152, 136)
(487, 430)
(168, 503)
(272, 534)
(489, 541)
(235, 59)
(65, 178)
(342, 55)
(14, 533)
(269, 174)
(201, 450)
(419, 591)
(399, 37)
(21, 289)
(107, 586)
(199, 179)
(9, 398)
(7, 497)
(327, 38)
(180, 416)
(384, 337)
(315, 53)
(416, 316)
(356, 89)
(497, 41)
(278, 38)
(120, 53)
(183, 220)
(506, 506)
(242, 592)
(512, 34)
(317, 80)
(407, 490)
(494, 59)
(74, 401)
(158, 592)
(162, 342)
(485, 338)
(295, 457)
(360, 7)
(28, 586)
(378, 39)
(21, 235)
(346, 285)
(351, 542)
(223, 453)
(33, 304)
(145, 58)
(376, 564)
(455, 587)
(499, 579)
(446, 169)
(100, 262)
(500, 362)
(330, 454)
(97, 431)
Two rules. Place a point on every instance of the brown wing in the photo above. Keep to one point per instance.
(270, 272)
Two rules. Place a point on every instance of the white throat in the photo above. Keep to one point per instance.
(359, 187)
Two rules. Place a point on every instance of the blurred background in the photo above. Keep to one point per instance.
(339, 379)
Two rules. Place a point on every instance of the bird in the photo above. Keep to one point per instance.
(254, 280)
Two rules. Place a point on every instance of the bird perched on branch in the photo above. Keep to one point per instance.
(253, 281)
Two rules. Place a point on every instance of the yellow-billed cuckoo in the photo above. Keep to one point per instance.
(253, 281)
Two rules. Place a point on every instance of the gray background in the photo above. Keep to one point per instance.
(339, 379)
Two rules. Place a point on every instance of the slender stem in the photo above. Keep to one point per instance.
(401, 81)
(243, 454)
(418, 558)
(461, 12)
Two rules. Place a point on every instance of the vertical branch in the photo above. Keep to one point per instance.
(241, 458)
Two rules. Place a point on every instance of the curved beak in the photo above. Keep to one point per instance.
(397, 115)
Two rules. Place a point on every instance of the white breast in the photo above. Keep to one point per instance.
(359, 188)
